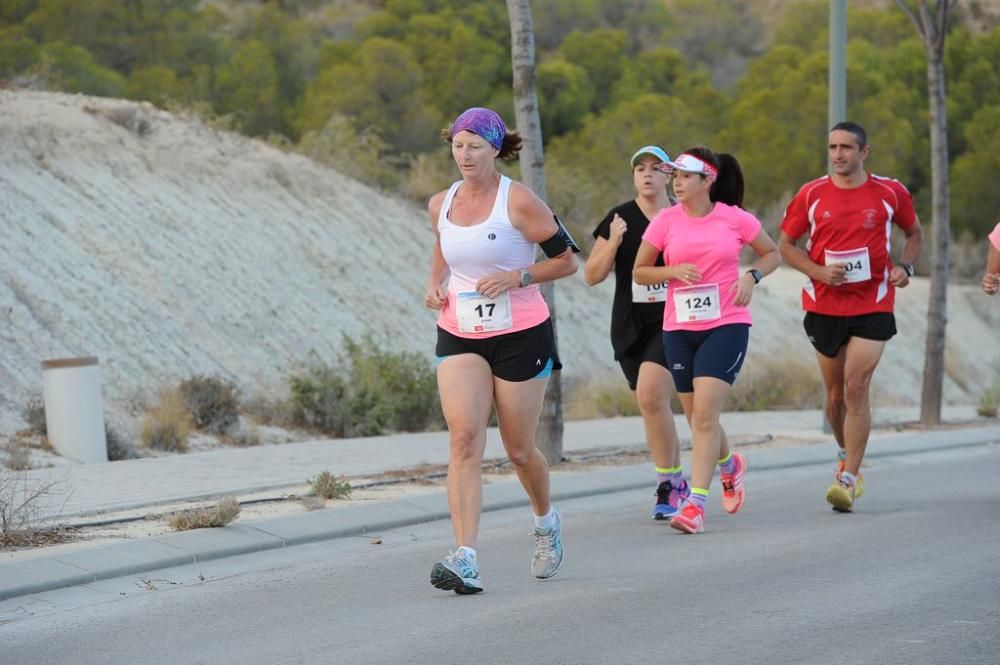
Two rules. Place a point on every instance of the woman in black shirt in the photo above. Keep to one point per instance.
(637, 320)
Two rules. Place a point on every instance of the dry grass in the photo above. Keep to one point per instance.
(168, 425)
(221, 514)
(330, 486)
(599, 398)
(23, 505)
(16, 456)
(989, 403)
(776, 384)
(764, 384)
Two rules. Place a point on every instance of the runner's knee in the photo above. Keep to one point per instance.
(465, 444)
(652, 401)
(856, 392)
(523, 457)
(703, 420)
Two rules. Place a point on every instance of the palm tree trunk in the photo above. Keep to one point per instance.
(532, 159)
(932, 26)
(937, 307)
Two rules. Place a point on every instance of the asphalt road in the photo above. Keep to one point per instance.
(912, 577)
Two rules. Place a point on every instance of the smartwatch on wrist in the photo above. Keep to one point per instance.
(908, 267)
(525, 277)
(756, 274)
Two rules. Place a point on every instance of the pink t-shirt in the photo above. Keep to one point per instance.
(713, 244)
(994, 237)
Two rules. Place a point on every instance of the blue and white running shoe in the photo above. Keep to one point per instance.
(456, 573)
(548, 555)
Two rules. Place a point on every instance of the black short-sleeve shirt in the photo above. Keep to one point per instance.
(631, 322)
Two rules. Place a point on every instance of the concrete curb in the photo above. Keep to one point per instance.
(79, 567)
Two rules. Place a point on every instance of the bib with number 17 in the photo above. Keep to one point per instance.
(477, 313)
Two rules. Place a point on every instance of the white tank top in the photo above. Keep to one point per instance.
(490, 246)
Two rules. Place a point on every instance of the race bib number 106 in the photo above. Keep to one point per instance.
(649, 292)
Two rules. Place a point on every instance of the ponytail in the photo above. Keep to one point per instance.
(728, 186)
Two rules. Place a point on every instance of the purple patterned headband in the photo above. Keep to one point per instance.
(484, 122)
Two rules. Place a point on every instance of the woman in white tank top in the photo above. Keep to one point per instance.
(495, 342)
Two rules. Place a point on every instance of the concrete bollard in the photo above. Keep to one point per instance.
(74, 410)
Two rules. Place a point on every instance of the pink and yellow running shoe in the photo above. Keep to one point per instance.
(733, 492)
(691, 519)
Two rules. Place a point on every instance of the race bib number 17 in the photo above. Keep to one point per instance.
(477, 313)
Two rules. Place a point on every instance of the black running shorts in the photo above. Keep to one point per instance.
(516, 356)
(829, 333)
(649, 349)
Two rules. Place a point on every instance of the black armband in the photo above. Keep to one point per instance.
(558, 243)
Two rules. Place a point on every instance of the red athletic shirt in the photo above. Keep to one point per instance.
(850, 226)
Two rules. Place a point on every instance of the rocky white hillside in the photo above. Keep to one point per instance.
(167, 248)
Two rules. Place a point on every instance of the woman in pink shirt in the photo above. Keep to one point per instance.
(991, 278)
(706, 319)
(495, 343)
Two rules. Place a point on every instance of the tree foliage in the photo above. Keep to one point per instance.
(367, 84)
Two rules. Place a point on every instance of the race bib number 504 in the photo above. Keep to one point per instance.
(477, 313)
(859, 264)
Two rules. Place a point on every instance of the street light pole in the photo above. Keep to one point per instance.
(838, 62)
(837, 109)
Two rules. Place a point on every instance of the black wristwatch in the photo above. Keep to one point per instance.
(756, 274)
(908, 267)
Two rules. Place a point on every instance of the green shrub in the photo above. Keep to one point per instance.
(213, 402)
(329, 486)
(118, 446)
(34, 414)
(376, 392)
(989, 403)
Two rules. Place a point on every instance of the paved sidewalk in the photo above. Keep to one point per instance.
(133, 484)
(121, 485)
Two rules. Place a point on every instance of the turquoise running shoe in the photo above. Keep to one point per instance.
(456, 573)
(548, 556)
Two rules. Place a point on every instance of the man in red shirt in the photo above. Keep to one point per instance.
(849, 294)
